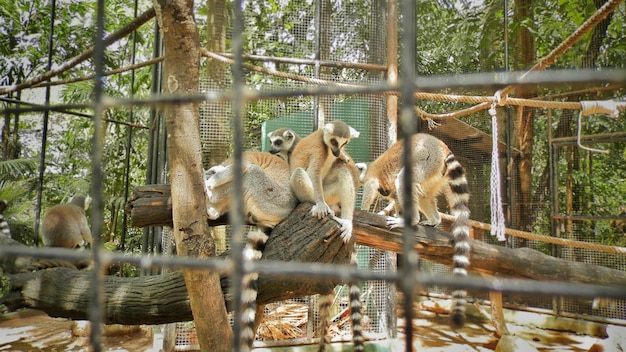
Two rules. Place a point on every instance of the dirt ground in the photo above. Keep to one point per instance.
(34, 331)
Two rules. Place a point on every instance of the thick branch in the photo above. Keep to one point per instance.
(431, 243)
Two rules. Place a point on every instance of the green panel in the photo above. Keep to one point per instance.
(301, 122)
(354, 112)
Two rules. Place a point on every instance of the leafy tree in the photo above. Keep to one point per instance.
(24, 48)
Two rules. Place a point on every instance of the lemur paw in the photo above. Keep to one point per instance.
(346, 228)
(420, 190)
(321, 209)
(210, 181)
(212, 213)
(394, 222)
(430, 223)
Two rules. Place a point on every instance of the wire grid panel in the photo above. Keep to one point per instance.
(589, 199)
(348, 37)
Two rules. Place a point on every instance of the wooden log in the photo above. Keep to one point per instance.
(62, 292)
(436, 245)
(148, 205)
(432, 244)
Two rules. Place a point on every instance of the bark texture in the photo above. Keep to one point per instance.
(191, 233)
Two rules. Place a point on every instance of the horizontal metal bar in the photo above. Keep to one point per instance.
(586, 217)
(343, 273)
(590, 139)
(491, 81)
(297, 61)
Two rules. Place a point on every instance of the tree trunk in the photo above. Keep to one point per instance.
(163, 298)
(191, 232)
(524, 57)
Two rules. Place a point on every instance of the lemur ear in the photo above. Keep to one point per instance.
(329, 127)
(288, 135)
(354, 133)
(362, 170)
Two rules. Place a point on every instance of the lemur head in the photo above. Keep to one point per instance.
(337, 134)
(282, 141)
(362, 167)
(81, 201)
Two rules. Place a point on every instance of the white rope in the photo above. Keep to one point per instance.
(497, 215)
(432, 123)
(608, 107)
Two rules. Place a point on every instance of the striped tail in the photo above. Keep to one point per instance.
(253, 251)
(356, 315)
(5, 230)
(4, 227)
(324, 306)
(458, 201)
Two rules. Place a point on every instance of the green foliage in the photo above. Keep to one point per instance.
(452, 37)
(20, 210)
(24, 36)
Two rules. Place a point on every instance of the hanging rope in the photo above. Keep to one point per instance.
(609, 107)
(497, 215)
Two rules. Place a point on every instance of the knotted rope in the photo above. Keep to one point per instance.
(497, 215)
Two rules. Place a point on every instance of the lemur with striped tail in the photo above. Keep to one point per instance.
(325, 175)
(267, 200)
(435, 170)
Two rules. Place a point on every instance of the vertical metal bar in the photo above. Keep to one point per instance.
(44, 131)
(236, 212)
(392, 68)
(157, 152)
(318, 30)
(129, 139)
(554, 199)
(407, 125)
(96, 306)
(509, 130)
(392, 116)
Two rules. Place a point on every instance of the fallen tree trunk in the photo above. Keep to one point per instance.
(149, 207)
(62, 292)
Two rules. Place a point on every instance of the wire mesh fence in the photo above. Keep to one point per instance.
(336, 46)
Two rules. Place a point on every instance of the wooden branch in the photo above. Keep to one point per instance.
(431, 243)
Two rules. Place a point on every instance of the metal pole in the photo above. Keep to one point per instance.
(407, 124)
(96, 306)
(44, 130)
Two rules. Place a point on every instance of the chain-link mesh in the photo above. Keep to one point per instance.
(348, 37)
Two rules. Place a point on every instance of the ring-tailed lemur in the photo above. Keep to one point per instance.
(325, 175)
(267, 201)
(65, 225)
(282, 142)
(435, 171)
